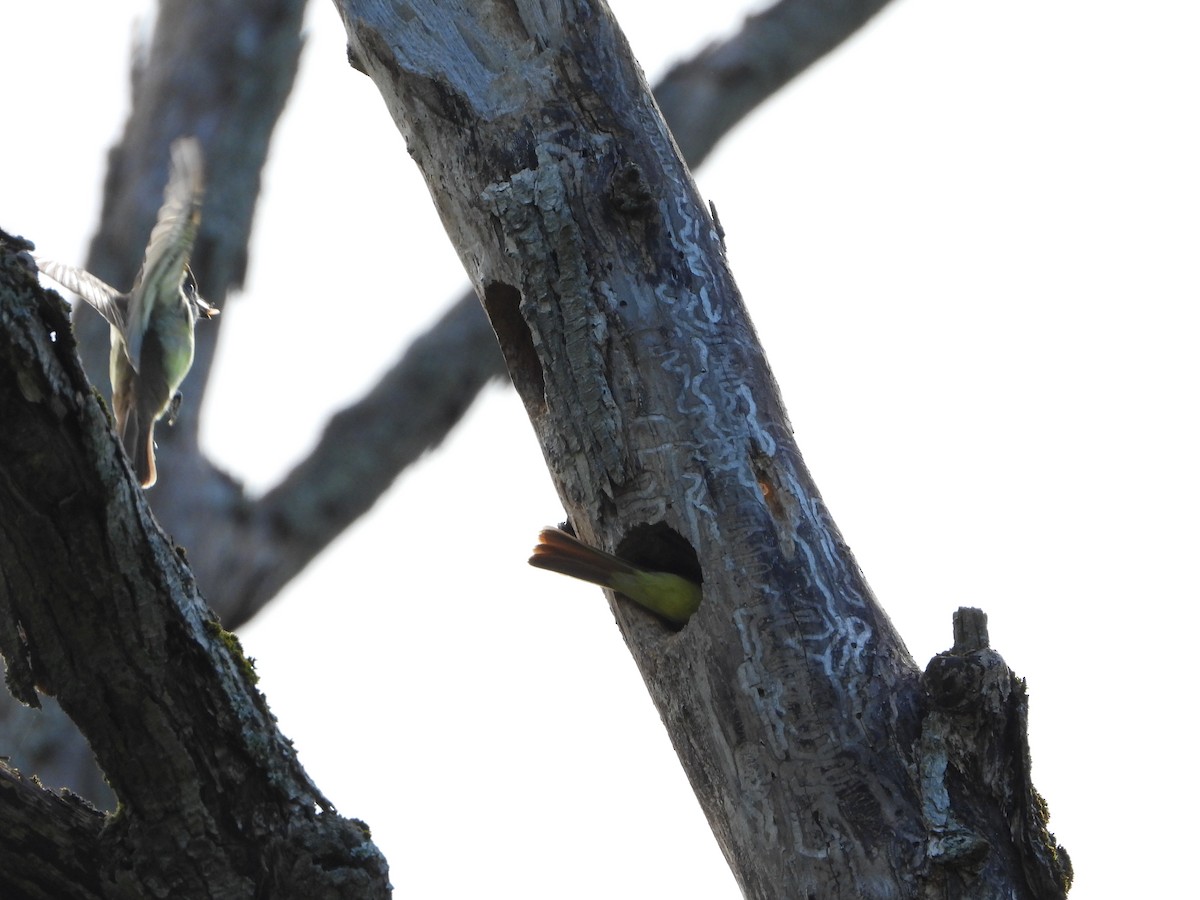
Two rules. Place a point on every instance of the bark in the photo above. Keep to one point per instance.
(99, 609)
(220, 71)
(52, 842)
(795, 709)
(822, 762)
(223, 71)
(198, 77)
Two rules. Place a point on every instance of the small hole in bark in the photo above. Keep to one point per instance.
(503, 305)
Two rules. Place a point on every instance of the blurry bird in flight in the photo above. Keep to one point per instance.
(152, 325)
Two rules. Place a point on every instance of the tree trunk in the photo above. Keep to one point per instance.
(823, 765)
(197, 78)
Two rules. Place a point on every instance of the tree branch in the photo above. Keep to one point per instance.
(794, 707)
(99, 608)
(51, 841)
(220, 71)
(703, 98)
(246, 549)
(416, 404)
(195, 78)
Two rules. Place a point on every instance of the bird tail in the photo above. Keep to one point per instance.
(143, 459)
(560, 552)
(137, 437)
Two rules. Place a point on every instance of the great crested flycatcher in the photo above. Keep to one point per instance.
(152, 326)
(671, 596)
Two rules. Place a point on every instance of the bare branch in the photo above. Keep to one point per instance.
(415, 405)
(792, 703)
(195, 79)
(703, 98)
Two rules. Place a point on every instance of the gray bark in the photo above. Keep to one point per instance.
(793, 705)
(824, 761)
(246, 548)
(198, 76)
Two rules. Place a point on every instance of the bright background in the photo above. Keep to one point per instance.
(969, 242)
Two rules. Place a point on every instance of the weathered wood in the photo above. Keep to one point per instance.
(792, 703)
(201, 76)
(99, 609)
(51, 842)
(245, 549)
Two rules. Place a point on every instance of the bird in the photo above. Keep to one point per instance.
(665, 594)
(152, 326)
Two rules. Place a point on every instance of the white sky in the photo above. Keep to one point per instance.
(969, 243)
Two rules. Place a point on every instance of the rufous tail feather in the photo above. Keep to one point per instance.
(560, 552)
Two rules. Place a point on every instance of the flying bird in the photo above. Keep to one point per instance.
(152, 325)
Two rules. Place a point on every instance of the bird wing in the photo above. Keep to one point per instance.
(171, 240)
(104, 298)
